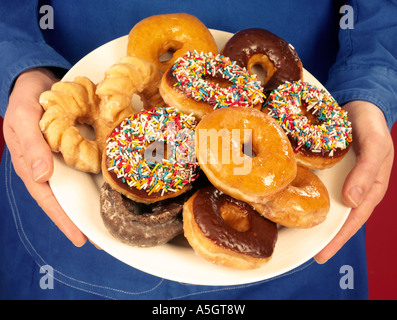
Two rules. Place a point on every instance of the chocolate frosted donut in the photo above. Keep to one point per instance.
(227, 231)
(139, 224)
(256, 46)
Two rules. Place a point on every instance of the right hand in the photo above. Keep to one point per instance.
(30, 153)
(367, 182)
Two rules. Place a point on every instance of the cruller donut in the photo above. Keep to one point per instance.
(316, 125)
(101, 106)
(226, 231)
(244, 153)
(128, 76)
(150, 38)
(199, 83)
(150, 156)
(256, 46)
(65, 105)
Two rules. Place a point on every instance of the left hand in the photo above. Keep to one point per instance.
(366, 184)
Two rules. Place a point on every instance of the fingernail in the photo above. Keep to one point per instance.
(39, 169)
(355, 195)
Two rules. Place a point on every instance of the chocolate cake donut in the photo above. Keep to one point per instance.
(139, 224)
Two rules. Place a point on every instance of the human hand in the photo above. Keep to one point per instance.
(31, 155)
(366, 184)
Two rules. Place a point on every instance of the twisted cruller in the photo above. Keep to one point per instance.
(67, 103)
(122, 80)
(101, 106)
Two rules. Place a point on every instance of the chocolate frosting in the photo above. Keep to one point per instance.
(258, 241)
(138, 224)
(246, 43)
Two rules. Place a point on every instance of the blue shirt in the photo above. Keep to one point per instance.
(358, 63)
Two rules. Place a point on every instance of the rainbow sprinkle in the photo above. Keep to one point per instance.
(285, 105)
(191, 72)
(127, 146)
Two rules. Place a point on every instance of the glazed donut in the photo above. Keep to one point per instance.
(256, 46)
(65, 105)
(150, 156)
(198, 83)
(150, 38)
(316, 125)
(138, 224)
(244, 153)
(303, 204)
(226, 231)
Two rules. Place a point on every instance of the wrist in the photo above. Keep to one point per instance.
(43, 74)
(33, 81)
(28, 87)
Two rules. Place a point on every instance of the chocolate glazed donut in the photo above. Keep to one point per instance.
(227, 231)
(138, 224)
(256, 46)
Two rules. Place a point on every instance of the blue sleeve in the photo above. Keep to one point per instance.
(22, 46)
(366, 65)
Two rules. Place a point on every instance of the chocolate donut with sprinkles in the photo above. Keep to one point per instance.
(199, 83)
(150, 156)
(318, 128)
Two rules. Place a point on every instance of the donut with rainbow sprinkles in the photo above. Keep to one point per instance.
(318, 128)
(150, 156)
(200, 83)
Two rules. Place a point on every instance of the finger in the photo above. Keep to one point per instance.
(44, 196)
(48, 202)
(371, 157)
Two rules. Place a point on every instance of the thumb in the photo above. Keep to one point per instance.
(24, 114)
(37, 153)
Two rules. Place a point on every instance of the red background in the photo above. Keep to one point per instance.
(381, 238)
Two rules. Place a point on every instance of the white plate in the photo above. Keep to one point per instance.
(78, 194)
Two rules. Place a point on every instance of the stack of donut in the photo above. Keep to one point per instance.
(207, 114)
(148, 166)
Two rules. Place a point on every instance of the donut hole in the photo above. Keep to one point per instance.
(313, 119)
(86, 130)
(248, 149)
(219, 81)
(167, 56)
(157, 151)
(168, 51)
(235, 217)
(262, 67)
(136, 102)
(260, 72)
